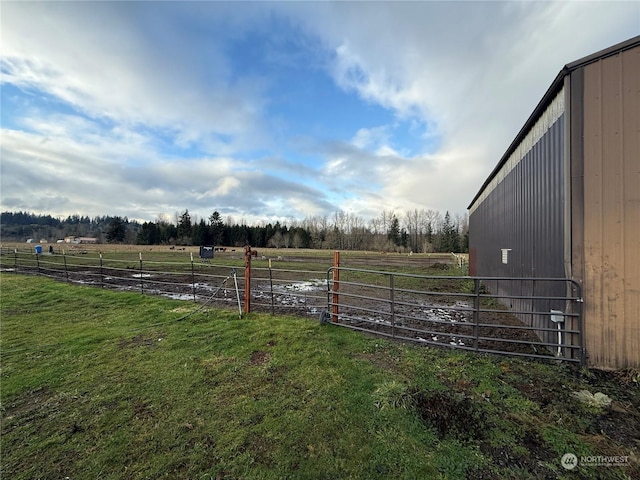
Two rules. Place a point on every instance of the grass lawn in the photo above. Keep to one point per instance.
(100, 384)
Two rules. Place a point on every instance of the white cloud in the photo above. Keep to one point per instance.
(93, 57)
(96, 181)
(472, 70)
(371, 137)
(133, 80)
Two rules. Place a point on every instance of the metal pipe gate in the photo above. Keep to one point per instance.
(527, 317)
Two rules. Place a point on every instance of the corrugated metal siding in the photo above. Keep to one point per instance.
(611, 165)
(525, 213)
(549, 116)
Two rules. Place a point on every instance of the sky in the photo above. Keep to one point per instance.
(275, 111)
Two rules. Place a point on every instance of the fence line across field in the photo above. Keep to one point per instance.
(285, 290)
(466, 313)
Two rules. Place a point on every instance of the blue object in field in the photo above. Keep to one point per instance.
(38, 249)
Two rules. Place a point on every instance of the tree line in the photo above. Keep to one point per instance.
(412, 230)
(19, 226)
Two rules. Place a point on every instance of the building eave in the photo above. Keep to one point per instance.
(550, 94)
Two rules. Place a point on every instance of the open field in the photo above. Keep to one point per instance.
(101, 384)
(424, 298)
(165, 253)
(430, 304)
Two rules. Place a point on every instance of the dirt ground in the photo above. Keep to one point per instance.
(429, 314)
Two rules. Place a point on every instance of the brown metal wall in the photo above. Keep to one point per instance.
(599, 241)
(525, 213)
(606, 250)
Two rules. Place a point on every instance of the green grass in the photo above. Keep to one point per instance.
(98, 384)
(162, 258)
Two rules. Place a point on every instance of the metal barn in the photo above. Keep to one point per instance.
(564, 202)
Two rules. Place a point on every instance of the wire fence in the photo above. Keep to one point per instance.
(299, 291)
(535, 318)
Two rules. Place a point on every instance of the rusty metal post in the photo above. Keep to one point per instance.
(247, 279)
(336, 286)
(248, 253)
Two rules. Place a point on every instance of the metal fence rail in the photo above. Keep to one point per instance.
(460, 312)
(300, 292)
(280, 290)
(536, 318)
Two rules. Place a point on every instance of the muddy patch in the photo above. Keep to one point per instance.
(446, 325)
(305, 297)
(450, 414)
(259, 358)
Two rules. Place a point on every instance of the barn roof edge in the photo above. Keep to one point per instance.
(549, 95)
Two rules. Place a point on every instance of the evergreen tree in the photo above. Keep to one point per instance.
(465, 242)
(201, 233)
(149, 234)
(217, 227)
(116, 232)
(404, 238)
(449, 238)
(393, 234)
(184, 228)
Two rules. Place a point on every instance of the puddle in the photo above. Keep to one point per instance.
(306, 286)
(178, 296)
(303, 294)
